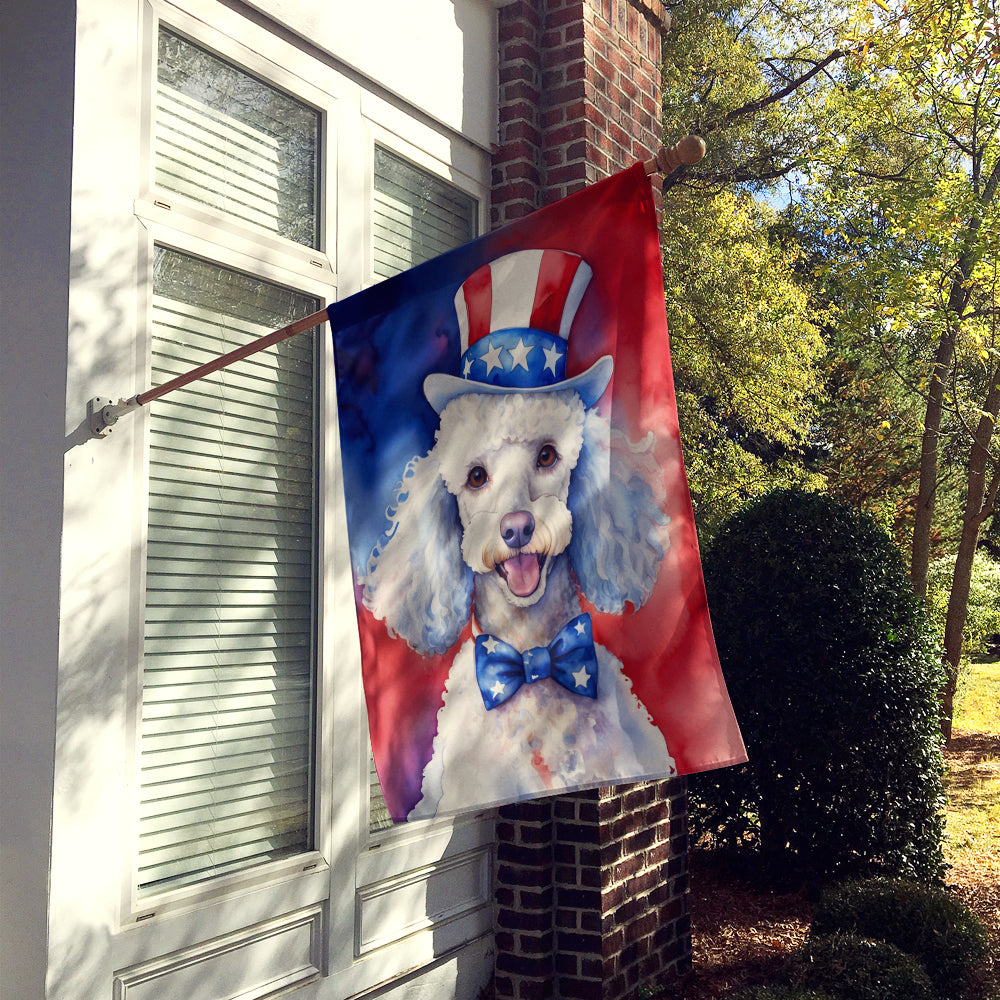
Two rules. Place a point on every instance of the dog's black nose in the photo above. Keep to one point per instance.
(517, 528)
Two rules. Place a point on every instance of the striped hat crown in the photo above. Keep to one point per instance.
(514, 317)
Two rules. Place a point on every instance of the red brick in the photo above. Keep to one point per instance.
(536, 967)
(520, 920)
(599, 96)
(519, 149)
(520, 876)
(566, 875)
(518, 49)
(571, 178)
(566, 16)
(521, 91)
(519, 111)
(580, 898)
(567, 133)
(581, 989)
(642, 882)
(536, 944)
(642, 926)
(537, 989)
(519, 10)
(530, 899)
(563, 53)
(520, 130)
(578, 942)
(567, 964)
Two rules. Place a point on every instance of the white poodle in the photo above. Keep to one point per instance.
(527, 500)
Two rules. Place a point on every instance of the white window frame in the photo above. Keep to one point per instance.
(352, 875)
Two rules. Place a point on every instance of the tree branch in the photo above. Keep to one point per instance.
(754, 106)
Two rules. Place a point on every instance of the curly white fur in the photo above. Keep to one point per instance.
(586, 519)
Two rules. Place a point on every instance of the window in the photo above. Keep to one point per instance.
(230, 141)
(229, 650)
(252, 806)
(416, 216)
(228, 679)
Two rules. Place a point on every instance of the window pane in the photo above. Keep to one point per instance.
(228, 664)
(228, 140)
(416, 217)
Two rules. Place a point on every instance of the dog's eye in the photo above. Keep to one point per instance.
(547, 456)
(477, 478)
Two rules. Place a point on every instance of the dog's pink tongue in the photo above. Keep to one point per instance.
(522, 574)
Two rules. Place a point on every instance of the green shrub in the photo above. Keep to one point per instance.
(833, 673)
(856, 968)
(926, 922)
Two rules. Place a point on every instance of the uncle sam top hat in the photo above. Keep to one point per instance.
(514, 317)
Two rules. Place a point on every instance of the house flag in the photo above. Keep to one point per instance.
(529, 593)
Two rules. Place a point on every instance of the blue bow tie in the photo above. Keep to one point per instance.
(569, 659)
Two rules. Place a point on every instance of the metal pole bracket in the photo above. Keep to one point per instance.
(103, 413)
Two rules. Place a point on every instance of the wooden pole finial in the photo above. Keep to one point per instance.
(668, 158)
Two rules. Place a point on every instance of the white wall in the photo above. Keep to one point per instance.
(36, 108)
(415, 49)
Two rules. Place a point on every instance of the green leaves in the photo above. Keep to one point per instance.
(833, 674)
(745, 350)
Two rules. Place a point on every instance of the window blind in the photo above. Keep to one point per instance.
(228, 653)
(415, 216)
(228, 140)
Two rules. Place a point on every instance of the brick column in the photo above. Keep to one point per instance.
(579, 96)
(591, 889)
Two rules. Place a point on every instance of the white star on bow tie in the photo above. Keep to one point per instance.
(498, 689)
(580, 628)
(581, 677)
(490, 645)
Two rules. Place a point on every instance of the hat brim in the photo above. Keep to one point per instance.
(440, 389)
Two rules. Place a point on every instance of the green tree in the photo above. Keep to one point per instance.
(912, 192)
(746, 355)
(878, 121)
(748, 358)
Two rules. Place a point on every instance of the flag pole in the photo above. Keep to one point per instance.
(687, 152)
(103, 413)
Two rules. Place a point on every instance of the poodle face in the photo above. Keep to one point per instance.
(516, 483)
(511, 480)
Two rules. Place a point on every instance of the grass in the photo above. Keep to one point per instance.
(978, 698)
(973, 781)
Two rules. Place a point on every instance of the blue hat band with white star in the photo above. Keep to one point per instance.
(516, 358)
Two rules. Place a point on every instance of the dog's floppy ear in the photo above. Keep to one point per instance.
(616, 546)
(417, 581)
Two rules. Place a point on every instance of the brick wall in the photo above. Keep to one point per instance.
(591, 889)
(591, 892)
(579, 96)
